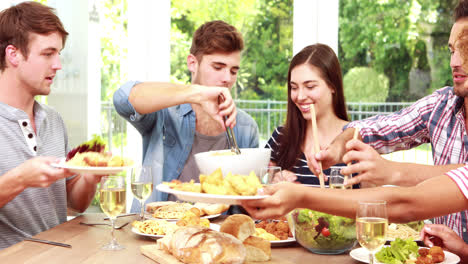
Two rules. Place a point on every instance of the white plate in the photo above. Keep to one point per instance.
(172, 219)
(361, 254)
(281, 243)
(206, 197)
(136, 231)
(90, 170)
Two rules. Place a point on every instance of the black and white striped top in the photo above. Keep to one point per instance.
(35, 209)
(300, 168)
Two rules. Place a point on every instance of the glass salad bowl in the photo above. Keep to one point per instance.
(323, 233)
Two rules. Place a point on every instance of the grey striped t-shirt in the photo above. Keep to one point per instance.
(35, 209)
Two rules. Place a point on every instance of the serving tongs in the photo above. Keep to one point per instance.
(229, 132)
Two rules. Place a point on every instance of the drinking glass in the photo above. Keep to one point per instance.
(336, 179)
(142, 185)
(112, 201)
(371, 226)
(271, 174)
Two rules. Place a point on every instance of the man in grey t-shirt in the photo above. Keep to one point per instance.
(34, 196)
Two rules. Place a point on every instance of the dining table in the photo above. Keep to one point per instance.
(86, 242)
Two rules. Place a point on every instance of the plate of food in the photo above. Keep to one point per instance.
(173, 211)
(158, 228)
(404, 231)
(407, 251)
(216, 188)
(282, 243)
(90, 157)
(277, 231)
(206, 197)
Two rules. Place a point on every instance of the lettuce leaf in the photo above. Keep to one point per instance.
(398, 252)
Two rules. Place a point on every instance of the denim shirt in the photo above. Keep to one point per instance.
(168, 136)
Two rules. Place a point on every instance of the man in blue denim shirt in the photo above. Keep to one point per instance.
(177, 121)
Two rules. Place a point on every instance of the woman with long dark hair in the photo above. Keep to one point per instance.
(314, 77)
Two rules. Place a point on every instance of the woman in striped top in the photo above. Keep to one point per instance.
(314, 77)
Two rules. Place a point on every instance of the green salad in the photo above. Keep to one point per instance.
(323, 231)
(398, 252)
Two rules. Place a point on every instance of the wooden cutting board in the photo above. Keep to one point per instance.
(161, 257)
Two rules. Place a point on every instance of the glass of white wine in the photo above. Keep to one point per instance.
(112, 201)
(371, 226)
(142, 185)
(336, 179)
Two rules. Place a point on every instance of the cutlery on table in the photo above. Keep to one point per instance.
(122, 215)
(47, 242)
(107, 224)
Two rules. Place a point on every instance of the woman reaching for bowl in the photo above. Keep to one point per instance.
(314, 77)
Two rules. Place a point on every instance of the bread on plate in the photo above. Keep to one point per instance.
(238, 225)
(257, 249)
(202, 245)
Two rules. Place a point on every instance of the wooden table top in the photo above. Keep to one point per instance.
(87, 241)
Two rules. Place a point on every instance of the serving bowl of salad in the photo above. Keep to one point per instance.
(323, 233)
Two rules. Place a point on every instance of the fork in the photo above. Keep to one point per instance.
(93, 224)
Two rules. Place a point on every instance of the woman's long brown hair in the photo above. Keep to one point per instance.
(323, 58)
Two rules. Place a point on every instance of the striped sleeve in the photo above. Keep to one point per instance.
(401, 130)
(460, 177)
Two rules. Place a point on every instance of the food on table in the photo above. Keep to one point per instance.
(238, 225)
(176, 210)
(202, 245)
(260, 232)
(279, 229)
(257, 249)
(151, 207)
(402, 231)
(192, 218)
(211, 209)
(155, 227)
(323, 233)
(91, 154)
(434, 254)
(190, 186)
(215, 183)
(243, 228)
(172, 211)
(244, 184)
(407, 251)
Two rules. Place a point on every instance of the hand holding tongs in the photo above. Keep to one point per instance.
(230, 133)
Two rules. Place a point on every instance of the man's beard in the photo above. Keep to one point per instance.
(460, 90)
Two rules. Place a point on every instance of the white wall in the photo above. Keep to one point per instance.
(315, 21)
(149, 25)
(76, 90)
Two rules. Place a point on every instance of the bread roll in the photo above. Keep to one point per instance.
(239, 225)
(257, 249)
(203, 245)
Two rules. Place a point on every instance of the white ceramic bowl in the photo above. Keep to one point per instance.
(250, 159)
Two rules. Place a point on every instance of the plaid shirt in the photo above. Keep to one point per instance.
(438, 119)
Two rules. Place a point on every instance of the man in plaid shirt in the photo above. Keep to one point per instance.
(439, 119)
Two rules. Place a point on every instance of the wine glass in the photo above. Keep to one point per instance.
(142, 185)
(336, 179)
(371, 226)
(112, 201)
(271, 174)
